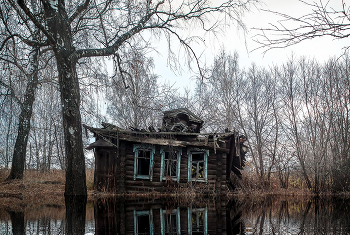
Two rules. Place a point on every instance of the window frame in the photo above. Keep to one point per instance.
(136, 149)
(178, 165)
(142, 213)
(205, 219)
(162, 220)
(206, 155)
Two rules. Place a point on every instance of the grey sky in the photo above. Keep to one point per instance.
(235, 40)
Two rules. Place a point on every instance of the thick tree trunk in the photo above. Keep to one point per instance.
(19, 153)
(70, 100)
(61, 39)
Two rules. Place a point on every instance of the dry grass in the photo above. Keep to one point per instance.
(37, 189)
(252, 186)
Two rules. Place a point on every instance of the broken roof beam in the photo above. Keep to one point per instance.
(171, 142)
(123, 131)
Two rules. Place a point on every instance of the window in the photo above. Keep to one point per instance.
(170, 222)
(170, 164)
(143, 222)
(197, 221)
(143, 164)
(197, 164)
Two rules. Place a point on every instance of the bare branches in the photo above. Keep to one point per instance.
(322, 21)
(120, 40)
(122, 71)
(79, 10)
(167, 16)
(36, 22)
(12, 92)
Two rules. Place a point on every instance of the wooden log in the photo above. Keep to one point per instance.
(129, 168)
(212, 172)
(129, 162)
(145, 183)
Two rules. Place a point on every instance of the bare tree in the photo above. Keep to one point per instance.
(260, 119)
(67, 27)
(292, 108)
(220, 92)
(29, 70)
(135, 91)
(323, 20)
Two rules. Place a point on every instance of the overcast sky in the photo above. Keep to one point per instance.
(235, 40)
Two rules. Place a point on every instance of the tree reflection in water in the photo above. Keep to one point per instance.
(270, 215)
(17, 219)
(290, 215)
(75, 214)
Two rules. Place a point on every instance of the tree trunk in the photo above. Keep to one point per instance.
(70, 100)
(7, 155)
(19, 152)
(59, 28)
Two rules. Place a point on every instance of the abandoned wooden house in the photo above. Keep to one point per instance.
(175, 157)
(133, 216)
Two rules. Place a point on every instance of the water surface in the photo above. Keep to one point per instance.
(271, 215)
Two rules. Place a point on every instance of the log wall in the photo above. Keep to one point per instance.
(114, 172)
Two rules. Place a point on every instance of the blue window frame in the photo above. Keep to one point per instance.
(143, 222)
(170, 163)
(198, 164)
(143, 164)
(198, 221)
(170, 222)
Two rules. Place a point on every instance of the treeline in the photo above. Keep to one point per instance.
(130, 96)
(295, 115)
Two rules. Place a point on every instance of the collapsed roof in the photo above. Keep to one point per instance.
(181, 120)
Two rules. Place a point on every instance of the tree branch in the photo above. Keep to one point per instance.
(12, 92)
(50, 38)
(112, 49)
(320, 22)
(79, 10)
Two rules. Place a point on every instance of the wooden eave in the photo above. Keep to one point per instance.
(164, 138)
(115, 132)
(100, 143)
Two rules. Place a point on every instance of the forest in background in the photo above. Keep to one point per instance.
(295, 115)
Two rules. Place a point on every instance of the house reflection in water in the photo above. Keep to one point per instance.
(135, 217)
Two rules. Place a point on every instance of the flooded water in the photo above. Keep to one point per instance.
(207, 216)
